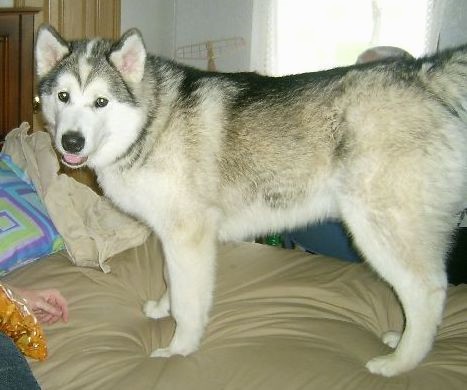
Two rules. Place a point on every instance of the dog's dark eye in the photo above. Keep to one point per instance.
(101, 102)
(63, 96)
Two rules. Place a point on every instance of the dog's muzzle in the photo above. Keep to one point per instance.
(73, 143)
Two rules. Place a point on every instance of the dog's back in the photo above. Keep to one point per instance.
(328, 134)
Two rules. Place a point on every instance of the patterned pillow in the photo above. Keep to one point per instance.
(26, 231)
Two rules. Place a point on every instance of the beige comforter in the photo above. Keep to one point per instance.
(282, 319)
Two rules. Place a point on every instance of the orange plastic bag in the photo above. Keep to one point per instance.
(17, 321)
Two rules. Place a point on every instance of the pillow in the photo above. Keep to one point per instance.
(26, 231)
(93, 229)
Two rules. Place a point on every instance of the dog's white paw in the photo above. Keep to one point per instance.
(182, 344)
(157, 309)
(162, 352)
(388, 365)
(171, 351)
(391, 338)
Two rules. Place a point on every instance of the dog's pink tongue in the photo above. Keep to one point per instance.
(73, 159)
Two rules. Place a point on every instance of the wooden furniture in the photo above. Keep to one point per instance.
(84, 18)
(73, 20)
(16, 67)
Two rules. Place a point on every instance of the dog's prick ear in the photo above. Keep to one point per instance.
(50, 49)
(129, 56)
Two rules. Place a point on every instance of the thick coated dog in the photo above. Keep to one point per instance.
(202, 157)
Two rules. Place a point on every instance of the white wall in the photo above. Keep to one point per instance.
(156, 21)
(203, 20)
(454, 25)
(168, 24)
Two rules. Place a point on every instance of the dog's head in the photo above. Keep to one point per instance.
(88, 98)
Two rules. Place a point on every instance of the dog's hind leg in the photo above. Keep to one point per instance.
(408, 253)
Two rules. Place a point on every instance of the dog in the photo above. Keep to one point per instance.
(203, 157)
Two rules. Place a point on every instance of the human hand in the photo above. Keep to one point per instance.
(48, 305)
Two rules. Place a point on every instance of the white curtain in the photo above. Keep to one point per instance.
(264, 37)
(434, 19)
(294, 36)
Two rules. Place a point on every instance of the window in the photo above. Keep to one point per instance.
(295, 36)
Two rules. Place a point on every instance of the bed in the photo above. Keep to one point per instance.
(282, 319)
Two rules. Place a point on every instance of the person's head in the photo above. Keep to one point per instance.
(382, 52)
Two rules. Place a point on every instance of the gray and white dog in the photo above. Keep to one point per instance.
(202, 157)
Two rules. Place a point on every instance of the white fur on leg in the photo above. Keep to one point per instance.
(391, 338)
(158, 309)
(387, 365)
(414, 271)
(190, 272)
(423, 304)
(183, 343)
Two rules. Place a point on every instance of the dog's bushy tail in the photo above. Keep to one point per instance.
(446, 77)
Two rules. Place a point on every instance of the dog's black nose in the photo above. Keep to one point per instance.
(73, 142)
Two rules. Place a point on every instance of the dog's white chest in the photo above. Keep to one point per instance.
(140, 195)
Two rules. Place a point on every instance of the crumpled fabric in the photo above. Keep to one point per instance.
(92, 228)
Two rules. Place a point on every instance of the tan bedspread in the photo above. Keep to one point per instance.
(282, 320)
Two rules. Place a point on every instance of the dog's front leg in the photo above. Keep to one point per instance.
(190, 264)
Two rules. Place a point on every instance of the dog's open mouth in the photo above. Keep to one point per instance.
(73, 160)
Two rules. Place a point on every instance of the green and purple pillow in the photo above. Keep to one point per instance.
(26, 230)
